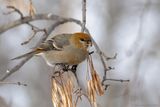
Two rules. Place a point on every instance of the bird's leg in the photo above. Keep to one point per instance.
(74, 68)
(61, 68)
(65, 67)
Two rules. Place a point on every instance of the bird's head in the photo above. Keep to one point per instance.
(81, 40)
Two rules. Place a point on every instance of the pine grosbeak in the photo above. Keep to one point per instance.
(68, 49)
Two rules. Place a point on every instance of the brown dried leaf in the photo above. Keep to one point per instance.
(91, 92)
(95, 78)
(97, 83)
(62, 93)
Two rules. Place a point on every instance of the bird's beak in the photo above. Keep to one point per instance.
(89, 42)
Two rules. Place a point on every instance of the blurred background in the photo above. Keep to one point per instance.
(127, 27)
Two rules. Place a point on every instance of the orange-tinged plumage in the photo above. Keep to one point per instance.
(79, 36)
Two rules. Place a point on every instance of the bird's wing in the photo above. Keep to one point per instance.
(58, 43)
(62, 40)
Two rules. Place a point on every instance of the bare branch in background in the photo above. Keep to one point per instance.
(83, 15)
(136, 44)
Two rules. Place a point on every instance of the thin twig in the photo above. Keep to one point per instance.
(35, 30)
(105, 74)
(16, 68)
(15, 10)
(110, 58)
(32, 26)
(119, 80)
(13, 83)
(104, 65)
(79, 94)
(83, 15)
(36, 17)
(30, 38)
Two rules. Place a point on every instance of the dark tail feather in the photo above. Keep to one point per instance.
(25, 55)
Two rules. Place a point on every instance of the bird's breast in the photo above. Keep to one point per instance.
(71, 57)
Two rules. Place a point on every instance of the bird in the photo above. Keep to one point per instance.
(70, 49)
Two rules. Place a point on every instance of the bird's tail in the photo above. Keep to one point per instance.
(28, 54)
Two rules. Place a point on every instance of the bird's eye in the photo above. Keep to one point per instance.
(81, 39)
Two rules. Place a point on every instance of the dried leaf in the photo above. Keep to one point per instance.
(95, 78)
(97, 83)
(62, 93)
(94, 85)
(91, 92)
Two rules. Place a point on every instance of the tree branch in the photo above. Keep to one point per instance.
(119, 80)
(15, 10)
(137, 43)
(35, 30)
(27, 19)
(14, 83)
(16, 68)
